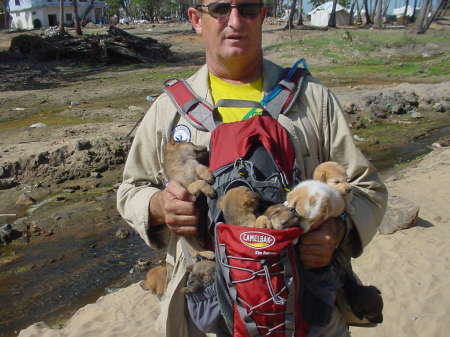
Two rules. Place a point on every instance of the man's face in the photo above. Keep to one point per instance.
(232, 36)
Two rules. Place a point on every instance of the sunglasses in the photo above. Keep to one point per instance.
(220, 10)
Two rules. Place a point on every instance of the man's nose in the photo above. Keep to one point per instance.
(234, 18)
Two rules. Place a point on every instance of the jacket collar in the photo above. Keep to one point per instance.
(200, 81)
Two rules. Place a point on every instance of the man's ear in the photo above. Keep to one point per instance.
(196, 19)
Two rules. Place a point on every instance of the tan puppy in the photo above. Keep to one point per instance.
(239, 206)
(184, 162)
(335, 175)
(155, 281)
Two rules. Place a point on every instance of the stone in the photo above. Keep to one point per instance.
(439, 107)
(122, 234)
(83, 145)
(5, 234)
(400, 214)
(38, 125)
(25, 200)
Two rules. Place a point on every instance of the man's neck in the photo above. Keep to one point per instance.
(236, 72)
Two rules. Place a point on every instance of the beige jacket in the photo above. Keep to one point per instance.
(318, 131)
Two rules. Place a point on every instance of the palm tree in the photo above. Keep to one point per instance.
(289, 23)
(378, 14)
(77, 18)
(61, 16)
(332, 20)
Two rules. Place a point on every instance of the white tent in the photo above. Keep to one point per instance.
(398, 12)
(321, 14)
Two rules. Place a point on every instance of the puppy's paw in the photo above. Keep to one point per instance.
(204, 173)
(155, 281)
(201, 275)
(201, 186)
(263, 222)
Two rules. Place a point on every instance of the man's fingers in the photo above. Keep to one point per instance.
(178, 192)
(183, 230)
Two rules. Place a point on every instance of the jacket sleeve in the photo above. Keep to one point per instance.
(143, 175)
(369, 193)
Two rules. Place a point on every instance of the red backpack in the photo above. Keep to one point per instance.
(258, 277)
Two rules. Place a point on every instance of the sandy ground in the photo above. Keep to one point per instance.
(411, 267)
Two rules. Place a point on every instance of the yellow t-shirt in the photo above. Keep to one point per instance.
(221, 89)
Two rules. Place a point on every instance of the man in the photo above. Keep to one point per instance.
(231, 32)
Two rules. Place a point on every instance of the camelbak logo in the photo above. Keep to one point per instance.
(257, 240)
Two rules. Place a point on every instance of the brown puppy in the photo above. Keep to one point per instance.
(239, 206)
(335, 175)
(185, 163)
(201, 275)
(155, 281)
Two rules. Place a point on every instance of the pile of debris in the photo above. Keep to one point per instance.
(117, 46)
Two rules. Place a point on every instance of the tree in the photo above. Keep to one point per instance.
(421, 20)
(300, 13)
(332, 20)
(405, 13)
(352, 11)
(378, 19)
(366, 10)
(77, 18)
(289, 24)
(61, 16)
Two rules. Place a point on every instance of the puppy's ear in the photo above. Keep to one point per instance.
(320, 175)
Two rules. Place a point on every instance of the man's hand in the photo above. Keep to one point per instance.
(317, 247)
(175, 207)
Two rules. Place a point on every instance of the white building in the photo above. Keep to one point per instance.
(398, 12)
(29, 14)
(321, 14)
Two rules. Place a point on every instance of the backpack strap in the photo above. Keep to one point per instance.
(285, 93)
(196, 110)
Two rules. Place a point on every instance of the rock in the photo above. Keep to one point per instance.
(351, 109)
(415, 115)
(8, 183)
(96, 175)
(359, 139)
(133, 108)
(142, 265)
(122, 234)
(400, 214)
(73, 103)
(68, 190)
(439, 107)
(38, 125)
(5, 234)
(442, 142)
(83, 145)
(25, 200)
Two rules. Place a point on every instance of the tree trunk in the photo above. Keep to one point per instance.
(421, 20)
(289, 23)
(366, 9)
(88, 10)
(413, 16)
(386, 7)
(300, 14)
(405, 13)
(332, 20)
(352, 12)
(77, 18)
(372, 14)
(378, 14)
(435, 14)
(61, 16)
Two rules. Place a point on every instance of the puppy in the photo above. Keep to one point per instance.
(155, 281)
(335, 175)
(239, 206)
(201, 275)
(185, 163)
(278, 216)
(315, 202)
